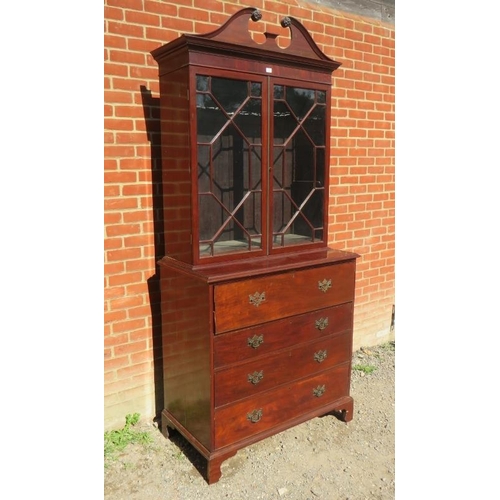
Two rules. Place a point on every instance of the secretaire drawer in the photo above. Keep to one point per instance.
(252, 301)
(254, 415)
(285, 366)
(256, 341)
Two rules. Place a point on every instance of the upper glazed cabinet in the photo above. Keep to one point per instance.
(245, 142)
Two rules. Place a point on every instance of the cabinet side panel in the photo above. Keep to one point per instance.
(176, 173)
(186, 351)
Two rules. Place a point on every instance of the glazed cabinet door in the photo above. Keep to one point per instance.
(231, 142)
(299, 182)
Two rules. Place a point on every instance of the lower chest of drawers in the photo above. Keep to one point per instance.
(277, 370)
(247, 357)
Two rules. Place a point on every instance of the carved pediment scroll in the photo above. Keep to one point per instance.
(234, 37)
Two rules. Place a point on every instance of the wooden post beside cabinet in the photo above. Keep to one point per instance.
(257, 310)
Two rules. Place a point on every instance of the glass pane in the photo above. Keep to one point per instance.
(202, 82)
(279, 158)
(313, 209)
(249, 214)
(284, 123)
(300, 100)
(231, 232)
(303, 157)
(256, 89)
(300, 231)
(229, 93)
(282, 211)
(255, 169)
(249, 121)
(320, 167)
(212, 216)
(210, 118)
(315, 125)
(300, 190)
(291, 229)
(204, 168)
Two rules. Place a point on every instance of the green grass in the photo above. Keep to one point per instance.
(376, 352)
(364, 368)
(117, 440)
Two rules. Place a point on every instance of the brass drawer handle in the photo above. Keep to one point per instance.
(255, 377)
(255, 341)
(321, 323)
(257, 298)
(324, 285)
(319, 391)
(320, 356)
(255, 416)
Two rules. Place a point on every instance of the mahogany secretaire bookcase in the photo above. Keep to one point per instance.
(257, 310)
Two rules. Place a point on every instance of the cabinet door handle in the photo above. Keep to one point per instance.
(319, 391)
(324, 285)
(321, 323)
(320, 356)
(257, 298)
(254, 416)
(255, 341)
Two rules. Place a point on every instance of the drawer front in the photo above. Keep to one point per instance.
(283, 367)
(252, 301)
(254, 415)
(260, 340)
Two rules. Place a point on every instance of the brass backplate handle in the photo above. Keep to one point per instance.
(324, 285)
(321, 323)
(254, 416)
(255, 341)
(320, 356)
(255, 377)
(319, 391)
(257, 298)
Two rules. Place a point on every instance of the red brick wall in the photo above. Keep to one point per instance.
(361, 176)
